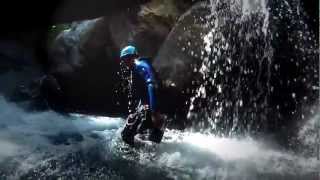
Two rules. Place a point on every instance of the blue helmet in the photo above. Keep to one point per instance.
(128, 51)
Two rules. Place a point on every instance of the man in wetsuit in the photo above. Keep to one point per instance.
(144, 122)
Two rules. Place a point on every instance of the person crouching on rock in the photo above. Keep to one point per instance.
(144, 122)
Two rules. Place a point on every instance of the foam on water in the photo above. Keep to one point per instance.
(35, 139)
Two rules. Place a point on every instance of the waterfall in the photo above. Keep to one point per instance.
(255, 51)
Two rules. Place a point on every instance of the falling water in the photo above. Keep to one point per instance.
(237, 28)
(244, 64)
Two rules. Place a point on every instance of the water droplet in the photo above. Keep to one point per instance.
(229, 60)
(241, 103)
(219, 89)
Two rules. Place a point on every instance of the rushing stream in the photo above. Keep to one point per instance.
(48, 146)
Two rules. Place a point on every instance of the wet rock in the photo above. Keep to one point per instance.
(76, 10)
(146, 27)
(18, 68)
(85, 58)
(83, 61)
(183, 49)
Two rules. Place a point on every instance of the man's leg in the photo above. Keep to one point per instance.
(130, 129)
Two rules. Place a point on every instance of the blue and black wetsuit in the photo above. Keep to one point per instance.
(142, 91)
(143, 86)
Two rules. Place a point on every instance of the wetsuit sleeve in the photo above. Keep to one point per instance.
(148, 75)
(152, 97)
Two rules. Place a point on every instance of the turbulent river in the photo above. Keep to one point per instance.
(47, 145)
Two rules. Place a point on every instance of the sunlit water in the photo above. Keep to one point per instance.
(243, 68)
(48, 145)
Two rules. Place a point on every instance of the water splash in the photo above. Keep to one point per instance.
(49, 145)
(309, 137)
(189, 155)
(242, 68)
(234, 31)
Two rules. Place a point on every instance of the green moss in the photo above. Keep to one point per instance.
(55, 30)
